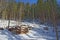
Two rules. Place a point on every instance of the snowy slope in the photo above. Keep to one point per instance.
(37, 32)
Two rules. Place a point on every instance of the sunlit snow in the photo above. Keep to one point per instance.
(37, 32)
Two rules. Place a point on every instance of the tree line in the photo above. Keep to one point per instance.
(10, 9)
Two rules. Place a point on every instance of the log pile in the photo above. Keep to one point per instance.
(23, 29)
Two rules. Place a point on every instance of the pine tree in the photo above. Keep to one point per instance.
(21, 11)
(53, 7)
(40, 9)
(27, 10)
(3, 6)
(32, 14)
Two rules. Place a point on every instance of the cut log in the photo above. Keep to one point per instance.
(45, 28)
(1, 29)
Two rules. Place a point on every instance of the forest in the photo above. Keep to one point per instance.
(46, 11)
(43, 10)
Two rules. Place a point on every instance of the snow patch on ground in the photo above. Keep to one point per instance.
(37, 32)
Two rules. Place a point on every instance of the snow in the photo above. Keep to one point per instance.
(37, 32)
(3, 37)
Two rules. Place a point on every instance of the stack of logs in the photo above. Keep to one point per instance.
(23, 29)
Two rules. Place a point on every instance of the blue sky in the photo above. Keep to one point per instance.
(25, 1)
(33, 1)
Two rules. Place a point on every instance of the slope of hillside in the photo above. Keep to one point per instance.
(37, 32)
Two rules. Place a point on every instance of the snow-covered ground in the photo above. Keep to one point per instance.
(37, 32)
